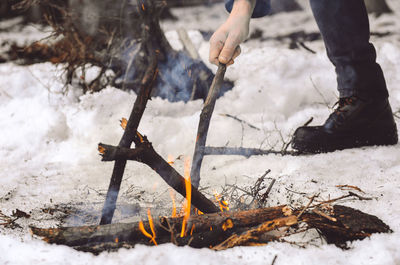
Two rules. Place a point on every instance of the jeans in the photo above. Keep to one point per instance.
(344, 27)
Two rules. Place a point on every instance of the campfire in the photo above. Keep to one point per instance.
(218, 221)
(203, 223)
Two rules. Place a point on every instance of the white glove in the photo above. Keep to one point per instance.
(224, 43)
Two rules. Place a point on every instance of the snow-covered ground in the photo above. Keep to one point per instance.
(49, 158)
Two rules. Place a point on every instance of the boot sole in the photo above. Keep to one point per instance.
(372, 137)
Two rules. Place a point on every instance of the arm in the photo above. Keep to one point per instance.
(224, 43)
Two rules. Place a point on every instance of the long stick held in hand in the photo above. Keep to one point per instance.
(204, 124)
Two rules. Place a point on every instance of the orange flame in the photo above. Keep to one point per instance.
(223, 204)
(170, 159)
(172, 194)
(123, 123)
(227, 225)
(187, 205)
(140, 136)
(143, 7)
(101, 149)
(141, 228)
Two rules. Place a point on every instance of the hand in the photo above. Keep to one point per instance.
(224, 43)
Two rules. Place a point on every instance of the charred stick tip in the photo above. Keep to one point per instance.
(107, 152)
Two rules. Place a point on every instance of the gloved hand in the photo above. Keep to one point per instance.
(224, 43)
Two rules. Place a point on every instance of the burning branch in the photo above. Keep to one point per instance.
(145, 153)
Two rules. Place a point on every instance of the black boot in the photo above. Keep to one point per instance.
(354, 123)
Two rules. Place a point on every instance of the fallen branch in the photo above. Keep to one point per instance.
(246, 152)
(241, 121)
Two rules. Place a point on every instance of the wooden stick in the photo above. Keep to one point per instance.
(242, 151)
(255, 233)
(204, 124)
(315, 210)
(187, 43)
(130, 131)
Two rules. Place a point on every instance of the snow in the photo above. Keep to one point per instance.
(49, 135)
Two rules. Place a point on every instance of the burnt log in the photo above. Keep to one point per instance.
(220, 230)
(131, 233)
(348, 224)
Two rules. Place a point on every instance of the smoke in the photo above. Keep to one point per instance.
(180, 77)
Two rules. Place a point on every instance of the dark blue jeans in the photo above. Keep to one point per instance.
(345, 29)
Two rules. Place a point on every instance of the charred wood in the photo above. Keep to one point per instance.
(130, 232)
(220, 230)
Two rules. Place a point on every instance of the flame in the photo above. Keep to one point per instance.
(152, 227)
(123, 123)
(116, 240)
(144, 232)
(172, 194)
(187, 205)
(227, 225)
(140, 137)
(143, 7)
(170, 159)
(101, 149)
(223, 204)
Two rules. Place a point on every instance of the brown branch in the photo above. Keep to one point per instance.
(317, 211)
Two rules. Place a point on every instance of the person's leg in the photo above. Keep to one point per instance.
(364, 116)
(345, 29)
